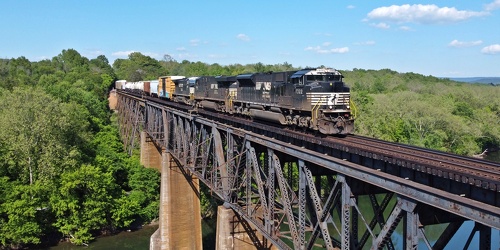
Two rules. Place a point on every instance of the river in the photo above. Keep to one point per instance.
(125, 240)
(140, 239)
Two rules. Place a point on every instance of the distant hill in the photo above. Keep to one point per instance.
(481, 80)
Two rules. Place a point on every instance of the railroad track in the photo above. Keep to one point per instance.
(476, 172)
(474, 164)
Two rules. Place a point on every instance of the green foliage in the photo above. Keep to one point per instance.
(425, 110)
(15, 72)
(81, 203)
(62, 165)
(138, 197)
(145, 188)
(41, 139)
(21, 207)
(208, 203)
(125, 211)
(138, 67)
(70, 60)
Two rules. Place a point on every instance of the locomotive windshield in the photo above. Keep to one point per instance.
(316, 75)
(324, 78)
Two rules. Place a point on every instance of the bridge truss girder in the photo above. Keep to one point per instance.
(131, 119)
(295, 198)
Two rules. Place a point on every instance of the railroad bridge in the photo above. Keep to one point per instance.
(283, 189)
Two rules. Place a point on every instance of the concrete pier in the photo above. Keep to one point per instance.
(151, 157)
(180, 211)
(233, 234)
(180, 214)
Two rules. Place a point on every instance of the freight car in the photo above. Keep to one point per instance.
(314, 99)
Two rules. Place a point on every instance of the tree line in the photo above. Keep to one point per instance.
(64, 174)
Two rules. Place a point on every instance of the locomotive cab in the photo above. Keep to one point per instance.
(327, 97)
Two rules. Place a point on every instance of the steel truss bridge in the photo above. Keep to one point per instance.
(295, 194)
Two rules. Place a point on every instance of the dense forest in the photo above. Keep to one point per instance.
(63, 171)
(64, 174)
(426, 111)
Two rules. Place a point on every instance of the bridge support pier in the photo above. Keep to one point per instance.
(150, 156)
(233, 232)
(180, 215)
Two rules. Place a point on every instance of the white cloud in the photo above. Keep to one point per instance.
(405, 28)
(313, 48)
(194, 42)
(40, 58)
(126, 53)
(186, 56)
(123, 53)
(366, 43)
(151, 54)
(94, 52)
(217, 56)
(423, 14)
(351, 6)
(326, 44)
(459, 44)
(380, 25)
(492, 49)
(338, 50)
(181, 49)
(322, 50)
(492, 6)
(243, 37)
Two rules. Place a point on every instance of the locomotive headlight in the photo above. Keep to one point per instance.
(331, 107)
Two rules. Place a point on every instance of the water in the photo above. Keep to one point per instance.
(137, 239)
(125, 240)
(460, 238)
(140, 239)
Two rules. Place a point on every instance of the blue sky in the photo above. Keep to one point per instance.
(440, 38)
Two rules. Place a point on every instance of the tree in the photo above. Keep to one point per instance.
(138, 67)
(259, 67)
(137, 202)
(82, 203)
(20, 209)
(34, 129)
(100, 65)
(70, 60)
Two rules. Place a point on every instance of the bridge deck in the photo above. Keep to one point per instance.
(308, 187)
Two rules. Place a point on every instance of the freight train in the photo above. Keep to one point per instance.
(315, 99)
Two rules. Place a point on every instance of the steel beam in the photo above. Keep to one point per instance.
(462, 206)
(229, 161)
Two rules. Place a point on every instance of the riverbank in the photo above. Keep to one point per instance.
(138, 239)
